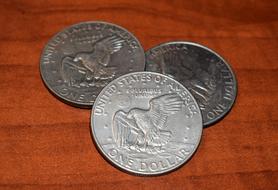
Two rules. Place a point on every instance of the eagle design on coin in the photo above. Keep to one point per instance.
(86, 68)
(144, 130)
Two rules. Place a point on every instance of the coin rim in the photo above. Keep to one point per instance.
(221, 116)
(67, 100)
(121, 167)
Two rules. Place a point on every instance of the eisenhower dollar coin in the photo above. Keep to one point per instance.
(82, 59)
(146, 123)
(205, 73)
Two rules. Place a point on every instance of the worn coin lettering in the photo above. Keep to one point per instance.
(75, 54)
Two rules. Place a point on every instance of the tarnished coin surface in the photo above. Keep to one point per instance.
(146, 123)
(82, 59)
(207, 75)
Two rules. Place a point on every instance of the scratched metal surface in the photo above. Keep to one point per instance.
(205, 73)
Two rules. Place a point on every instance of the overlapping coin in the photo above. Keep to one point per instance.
(206, 74)
(82, 59)
(146, 123)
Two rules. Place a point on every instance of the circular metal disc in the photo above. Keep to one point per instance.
(146, 123)
(82, 59)
(206, 74)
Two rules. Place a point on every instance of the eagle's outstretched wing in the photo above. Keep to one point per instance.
(109, 44)
(124, 130)
(163, 106)
(105, 47)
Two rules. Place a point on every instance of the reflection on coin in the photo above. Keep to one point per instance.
(157, 131)
(82, 59)
(207, 75)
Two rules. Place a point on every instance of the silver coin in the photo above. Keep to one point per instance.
(82, 59)
(206, 74)
(146, 123)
